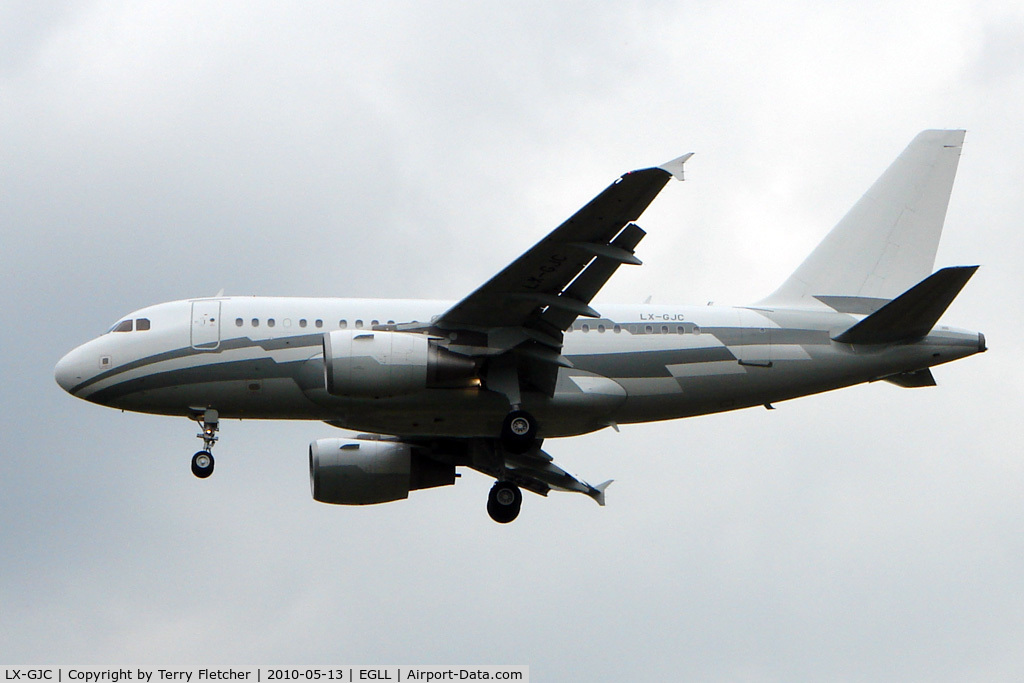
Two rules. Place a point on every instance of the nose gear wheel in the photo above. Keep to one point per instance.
(202, 464)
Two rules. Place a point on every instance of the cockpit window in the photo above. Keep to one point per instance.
(141, 324)
(123, 326)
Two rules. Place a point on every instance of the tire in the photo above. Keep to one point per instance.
(518, 431)
(504, 502)
(202, 464)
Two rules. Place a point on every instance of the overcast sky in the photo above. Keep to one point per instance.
(153, 151)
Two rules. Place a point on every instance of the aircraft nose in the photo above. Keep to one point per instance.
(68, 371)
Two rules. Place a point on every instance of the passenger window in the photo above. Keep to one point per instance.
(238, 322)
(343, 324)
(586, 328)
(302, 322)
(271, 322)
(141, 324)
(359, 324)
(374, 323)
(391, 322)
(664, 329)
(696, 330)
(600, 328)
(617, 329)
(648, 329)
(319, 323)
(255, 322)
(123, 326)
(679, 329)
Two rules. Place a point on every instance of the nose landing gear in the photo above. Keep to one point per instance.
(209, 423)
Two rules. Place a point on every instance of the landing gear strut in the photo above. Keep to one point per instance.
(202, 462)
(504, 502)
(519, 429)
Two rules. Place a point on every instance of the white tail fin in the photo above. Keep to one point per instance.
(887, 241)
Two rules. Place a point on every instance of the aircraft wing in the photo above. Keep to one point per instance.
(537, 472)
(534, 471)
(543, 291)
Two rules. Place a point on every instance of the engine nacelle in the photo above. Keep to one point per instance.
(373, 364)
(345, 472)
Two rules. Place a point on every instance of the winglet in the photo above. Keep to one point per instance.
(598, 492)
(675, 167)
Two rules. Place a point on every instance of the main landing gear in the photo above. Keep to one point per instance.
(209, 423)
(518, 435)
(519, 429)
(504, 502)
(518, 432)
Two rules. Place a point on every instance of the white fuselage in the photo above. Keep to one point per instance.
(262, 357)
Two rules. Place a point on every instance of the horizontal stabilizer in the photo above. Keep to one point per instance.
(912, 314)
(912, 380)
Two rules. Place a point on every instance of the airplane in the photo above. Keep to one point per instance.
(482, 382)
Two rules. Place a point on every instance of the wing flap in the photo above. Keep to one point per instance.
(594, 276)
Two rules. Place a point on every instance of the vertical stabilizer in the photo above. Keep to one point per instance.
(887, 241)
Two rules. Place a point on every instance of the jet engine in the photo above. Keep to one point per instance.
(375, 364)
(364, 472)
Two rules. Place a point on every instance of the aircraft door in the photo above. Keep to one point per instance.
(206, 325)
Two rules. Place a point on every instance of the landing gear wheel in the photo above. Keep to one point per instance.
(202, 464)
(518, 431)
(504, 502)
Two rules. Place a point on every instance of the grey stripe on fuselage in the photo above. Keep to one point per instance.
(626, 364)
(248, 369)
(274, 344)
(647, 363)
